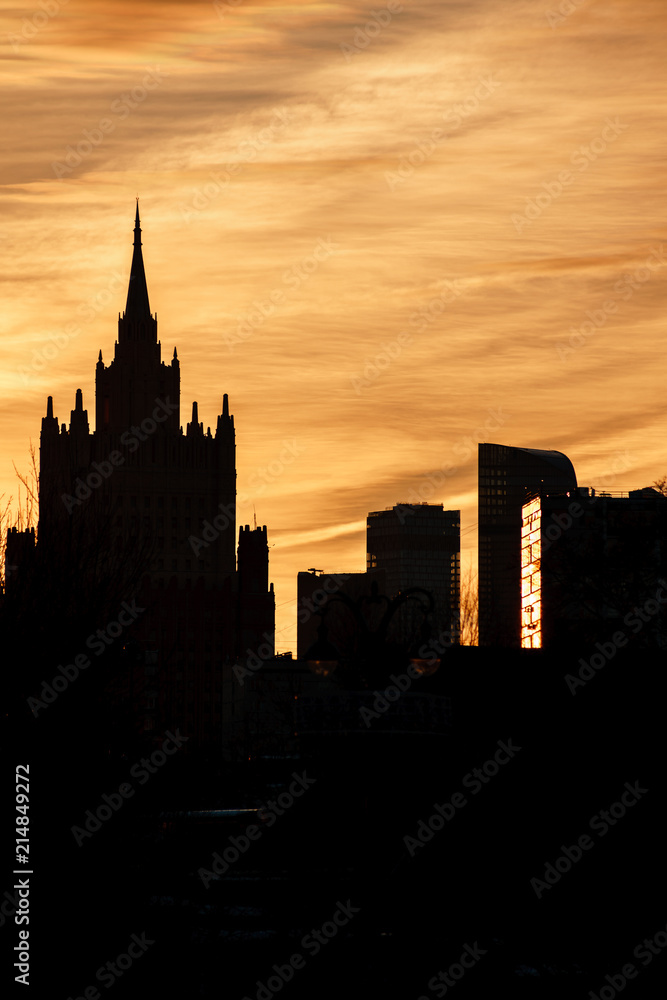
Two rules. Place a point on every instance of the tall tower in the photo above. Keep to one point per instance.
(126, 391)
(507, 476)
(419, 545)
(139, 497)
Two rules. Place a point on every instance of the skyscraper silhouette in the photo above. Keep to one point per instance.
(506, 477)
(419, 545)
(140, 502)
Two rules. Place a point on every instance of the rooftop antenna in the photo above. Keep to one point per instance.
(254, 517)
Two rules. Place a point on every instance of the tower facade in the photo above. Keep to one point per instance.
(150, 506)
(593, 572)
(507, 476)
(419, 545)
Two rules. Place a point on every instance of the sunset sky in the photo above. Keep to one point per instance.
(387, 231)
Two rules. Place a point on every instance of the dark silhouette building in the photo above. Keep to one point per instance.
(419, 545)
(141, 503)
(337, 591)
(506, 478)
(410, 547)
(592, 571)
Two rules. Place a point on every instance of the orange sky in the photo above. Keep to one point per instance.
(438, 197)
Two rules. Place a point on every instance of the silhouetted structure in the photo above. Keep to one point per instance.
(140, 500)
(408, 546)
(506, 477)
(314, 590)
(592, 570)
(419, 545)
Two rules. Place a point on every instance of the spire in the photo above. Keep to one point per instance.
(137, 307)
(195, 427)
(79, 416)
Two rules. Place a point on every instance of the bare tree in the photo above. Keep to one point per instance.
(22, 513)
(469, 604)
(27, 512)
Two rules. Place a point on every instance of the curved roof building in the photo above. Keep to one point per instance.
(507, 477)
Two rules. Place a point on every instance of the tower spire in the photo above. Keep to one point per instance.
(137, 307)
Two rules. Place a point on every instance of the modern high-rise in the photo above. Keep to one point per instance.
(419, 545)
(409, 547)
(593, 569)
(507, 478)
(143, 504)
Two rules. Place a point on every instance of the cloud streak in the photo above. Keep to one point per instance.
(323, 175)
